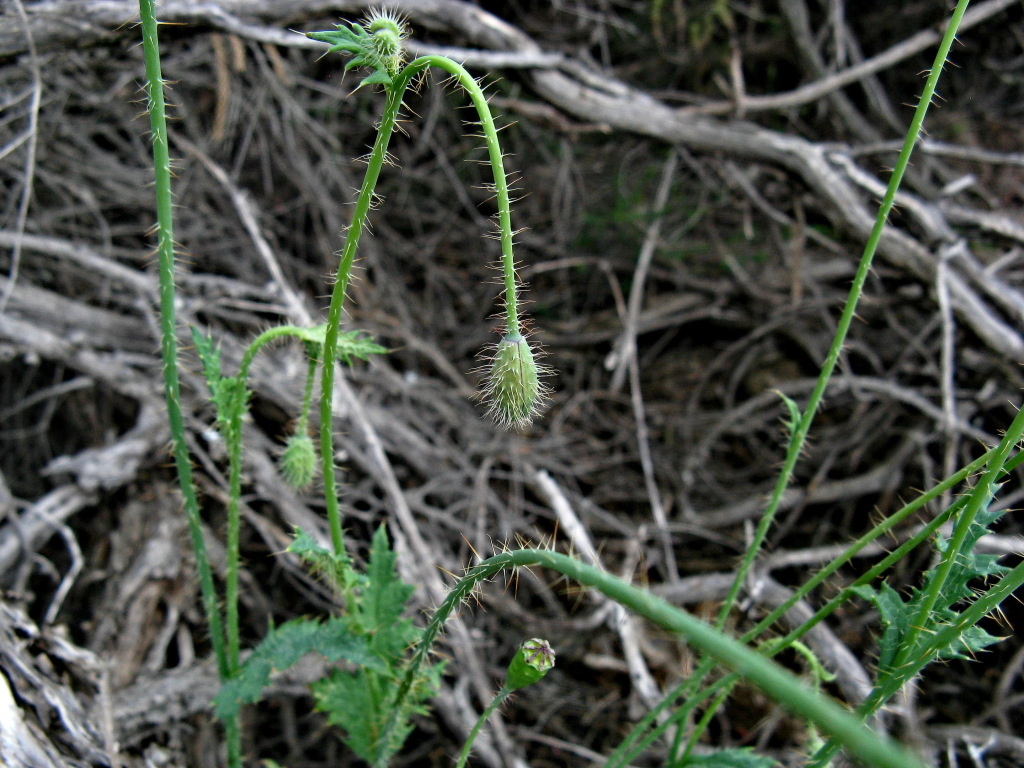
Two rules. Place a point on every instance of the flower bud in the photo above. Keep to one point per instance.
(298, 462)
(514, 387)
(531, 662)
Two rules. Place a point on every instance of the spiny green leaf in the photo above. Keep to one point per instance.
(360, 703)
(228, 394)
(897, 614)
(355, 344)
(350, 345)
(378, 77)
(382, 600)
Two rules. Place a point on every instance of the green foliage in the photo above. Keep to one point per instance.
(794, 413)
(372, 635)
(361, 701)
(228, 393)
(350, 345)
(334, 638)
(898, 616)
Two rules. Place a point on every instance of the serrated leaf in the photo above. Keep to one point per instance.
(897, 615)
(351, 701)
(286, 644)
(228, 394)
(382, 601)
(209, 356)
(356, 344)
(341, 39)
(743, 757)
(350, 344)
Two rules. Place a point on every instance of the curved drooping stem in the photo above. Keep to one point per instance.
(364, 202)
(778, 683)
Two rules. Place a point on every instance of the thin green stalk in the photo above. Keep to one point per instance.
(497, 701)
(395, 94)
(169, 347)
(923, 535)
(233, 444)
(302, 425)
(803, 426)
(781, 685)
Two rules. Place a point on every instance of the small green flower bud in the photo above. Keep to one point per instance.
(298, 462)
(514, 387)
(531, 662)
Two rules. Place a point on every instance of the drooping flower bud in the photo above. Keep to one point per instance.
(298, 462)
(532, 661)
(514, 387)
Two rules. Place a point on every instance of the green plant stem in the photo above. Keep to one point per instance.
(803, 427)
(169, 348)
(497, 701)
(911, 659)
(395, 94)
(781, 685)
(313, 353)
(979, 498)
(687, 690)
(923, 535)
(233, 444)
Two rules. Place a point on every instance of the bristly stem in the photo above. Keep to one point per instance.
(803, 426)
(395, 94)
(169, 347)
(781, 685)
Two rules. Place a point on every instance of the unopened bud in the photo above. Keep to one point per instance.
(514, 387)
(532, 661)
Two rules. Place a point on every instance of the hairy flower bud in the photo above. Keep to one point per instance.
(298, 462)
(531, 662)
(514, 387)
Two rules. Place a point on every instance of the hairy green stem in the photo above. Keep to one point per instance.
(497, 701)
(233, 443)
(911, 659)
(169, 348)
(979, 498)
(781, 685)
(687, 690)
(395, 94)
(803, 427)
